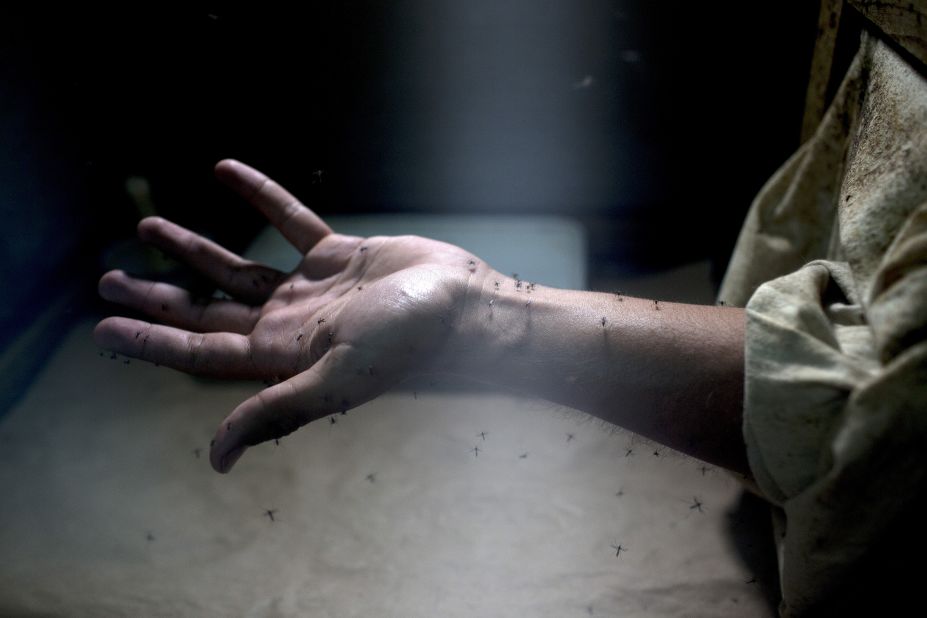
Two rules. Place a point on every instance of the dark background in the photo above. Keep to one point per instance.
(414, 106)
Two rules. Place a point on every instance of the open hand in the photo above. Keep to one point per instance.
(355, 317)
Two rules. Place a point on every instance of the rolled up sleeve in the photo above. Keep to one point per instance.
(835, 413)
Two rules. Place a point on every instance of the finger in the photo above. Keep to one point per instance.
(176, 306)
(299, 225)
(225, 355)
(241, 278)
(329, 388)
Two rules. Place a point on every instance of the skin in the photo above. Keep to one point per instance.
(357, 316)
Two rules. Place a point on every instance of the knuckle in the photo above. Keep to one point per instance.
(194, 352)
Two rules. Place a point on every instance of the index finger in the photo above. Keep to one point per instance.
(299, 225)
(222, 355)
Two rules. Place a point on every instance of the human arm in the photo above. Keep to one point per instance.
(358, 316)
(670, 372)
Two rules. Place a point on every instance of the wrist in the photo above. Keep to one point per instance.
(491, 325)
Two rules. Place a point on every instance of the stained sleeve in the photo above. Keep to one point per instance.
(835, 420)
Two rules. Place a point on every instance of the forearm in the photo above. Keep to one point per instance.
(670, 372)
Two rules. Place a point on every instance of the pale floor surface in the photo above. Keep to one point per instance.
(108, 511)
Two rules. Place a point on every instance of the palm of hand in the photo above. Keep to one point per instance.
(381, 298)
(355, 317)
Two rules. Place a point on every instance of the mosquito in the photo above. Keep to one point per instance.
(618, 549)
(696, 504)
(269, 513)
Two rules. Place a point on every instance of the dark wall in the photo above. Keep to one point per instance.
(428, 106)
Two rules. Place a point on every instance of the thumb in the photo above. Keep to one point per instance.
(331, 386)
